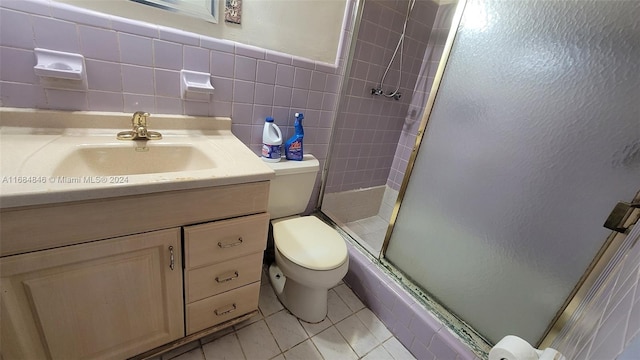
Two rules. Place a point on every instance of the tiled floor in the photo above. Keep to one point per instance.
(370, 231)
(350, 331)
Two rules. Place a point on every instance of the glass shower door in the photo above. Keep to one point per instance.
(533, 138)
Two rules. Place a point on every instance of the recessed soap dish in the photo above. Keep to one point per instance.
(58, 64)
(195, 85)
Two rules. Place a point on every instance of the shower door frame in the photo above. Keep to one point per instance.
(598, 266)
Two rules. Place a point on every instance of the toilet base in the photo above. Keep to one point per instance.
(307, 304)
(277, 279)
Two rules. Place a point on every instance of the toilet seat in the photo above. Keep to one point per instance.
(310, 243)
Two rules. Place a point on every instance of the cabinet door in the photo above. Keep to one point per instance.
(108, 299)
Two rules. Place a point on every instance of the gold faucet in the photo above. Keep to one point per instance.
(139, 132)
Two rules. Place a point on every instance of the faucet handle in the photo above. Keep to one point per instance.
(140, 118)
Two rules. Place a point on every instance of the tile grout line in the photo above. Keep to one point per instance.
(235, 335)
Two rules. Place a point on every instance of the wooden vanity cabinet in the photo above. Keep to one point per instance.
(107, 299)
(71, 287)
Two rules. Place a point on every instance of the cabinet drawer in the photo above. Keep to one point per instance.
(215, 279)
(220, 308)
(223, 240)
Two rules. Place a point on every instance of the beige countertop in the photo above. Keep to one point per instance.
(34, 145)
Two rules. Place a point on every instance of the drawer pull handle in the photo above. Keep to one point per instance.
(228, 245)
(171, 259)
(231, 308)
(233, 276)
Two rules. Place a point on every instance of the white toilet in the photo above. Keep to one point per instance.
(311, 257)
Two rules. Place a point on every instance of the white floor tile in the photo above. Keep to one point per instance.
(268, 301)
(373, 223)
(369, 232)
(349, 298)
(371, 321)
(367, 246)
(338, 310)
(313, 329)
(224, 348)
(332, 346)
(379, 353)
(396, 349)
(257, 342)
(303, 351)
(356, 227)
(357, 335)
(374, 239)
(286, 329)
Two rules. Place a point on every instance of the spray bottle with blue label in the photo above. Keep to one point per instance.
(293, 146)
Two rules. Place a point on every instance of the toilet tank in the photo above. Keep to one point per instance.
(290, 190)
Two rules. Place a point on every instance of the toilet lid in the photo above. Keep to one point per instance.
(310, 243)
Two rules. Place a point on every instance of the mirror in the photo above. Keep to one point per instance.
(310, 29)
(201, 9)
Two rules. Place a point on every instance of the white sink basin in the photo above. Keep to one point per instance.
(124, 159)
(58, 156)
(99, 155)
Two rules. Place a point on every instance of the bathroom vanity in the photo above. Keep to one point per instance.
(100, 269)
